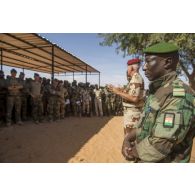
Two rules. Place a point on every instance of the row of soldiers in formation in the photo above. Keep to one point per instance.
(40, 99)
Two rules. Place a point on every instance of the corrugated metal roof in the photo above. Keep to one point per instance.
(33, 52)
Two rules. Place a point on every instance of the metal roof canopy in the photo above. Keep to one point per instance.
(33, 52)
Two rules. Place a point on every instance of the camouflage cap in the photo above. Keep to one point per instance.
(13, 70)
(21, 73)
(36, 75)
(161, 48)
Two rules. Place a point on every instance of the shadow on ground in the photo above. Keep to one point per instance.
(47, 142)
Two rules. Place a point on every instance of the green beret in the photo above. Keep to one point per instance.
(161, 48)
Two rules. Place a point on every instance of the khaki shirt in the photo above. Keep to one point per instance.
(135, 88)
(35, 88)
(13, 82)
(97, 93)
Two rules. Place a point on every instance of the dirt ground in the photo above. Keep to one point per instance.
(93, 140)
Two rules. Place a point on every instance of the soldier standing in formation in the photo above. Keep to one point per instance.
(98, 101)
(41, 99)
(54, 104)
(86, 100)
(13, 98)
(24, 95)
(36, 99)
(166, 131)
(2, 96)
(132, 96)
(62, 93)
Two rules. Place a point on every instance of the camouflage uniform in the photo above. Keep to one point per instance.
(132, 111)
(2, 99)
(62, 93)
(13, 99)
(167, 128)
(86, 100)
(24, 96)
(53, 104)
(36, 101)
(98, 102)
(119, 105)
(113, 103)
(92, 104)
(106, 102)
(76, 101)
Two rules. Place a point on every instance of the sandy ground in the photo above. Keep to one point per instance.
(70, 140)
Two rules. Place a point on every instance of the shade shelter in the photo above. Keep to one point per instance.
(33, 52)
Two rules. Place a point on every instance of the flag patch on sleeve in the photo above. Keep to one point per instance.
(169, 120)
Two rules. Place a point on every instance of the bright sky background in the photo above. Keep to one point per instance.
(86, 47)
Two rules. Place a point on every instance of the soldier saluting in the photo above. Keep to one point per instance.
(166, 131)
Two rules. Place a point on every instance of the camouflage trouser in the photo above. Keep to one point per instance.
(76, 108)
(37, 108)
(62, 107)
(2, 107)
(24, 107)
(131, 118)
(113, 107)
(11, 102)
(98, 107)
(86, 107)
(53, 108)
(45, 104)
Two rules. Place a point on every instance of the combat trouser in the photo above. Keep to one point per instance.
(53, 108)
(62, 107)
(132, 116)
(24, 107)
(2, 107)
(37, 109)
(11, 102)
(86, 108)
(98, 107)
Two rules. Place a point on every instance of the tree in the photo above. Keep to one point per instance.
(134, 43)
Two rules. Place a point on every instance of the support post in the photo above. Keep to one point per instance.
(99, 79)
(73, 76)
(52, 65)
(86, 75)
(1, 59)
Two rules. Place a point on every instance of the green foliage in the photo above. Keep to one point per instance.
(134, 43)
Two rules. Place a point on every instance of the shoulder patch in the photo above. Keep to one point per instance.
(178, 88)
(180, 92)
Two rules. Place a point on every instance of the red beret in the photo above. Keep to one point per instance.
(133, 61)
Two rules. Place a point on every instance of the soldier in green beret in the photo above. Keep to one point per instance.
(165, 132)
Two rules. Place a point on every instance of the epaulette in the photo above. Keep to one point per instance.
(178, 89)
